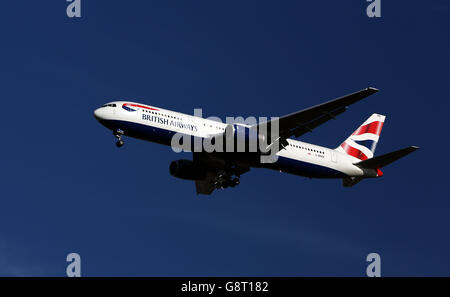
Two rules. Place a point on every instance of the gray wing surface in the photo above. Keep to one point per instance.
(300, 122)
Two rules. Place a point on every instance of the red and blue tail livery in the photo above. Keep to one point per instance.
(362, 143)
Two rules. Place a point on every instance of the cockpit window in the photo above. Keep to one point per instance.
(109, 105)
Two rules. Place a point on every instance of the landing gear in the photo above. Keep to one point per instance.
(118, 134)
(225, 179)
(119, 143)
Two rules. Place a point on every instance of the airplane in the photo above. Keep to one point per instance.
(352, 161)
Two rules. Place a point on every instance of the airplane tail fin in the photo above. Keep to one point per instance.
(362, 143)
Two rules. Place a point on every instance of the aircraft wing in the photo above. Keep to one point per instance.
(205, 186)
(300, 122)
(216, 165)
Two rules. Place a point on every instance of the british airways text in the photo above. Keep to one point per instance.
(162, 121)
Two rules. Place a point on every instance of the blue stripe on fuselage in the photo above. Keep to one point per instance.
(303, 168)
(140, 131)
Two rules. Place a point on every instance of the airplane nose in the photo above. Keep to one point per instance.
(98, 113)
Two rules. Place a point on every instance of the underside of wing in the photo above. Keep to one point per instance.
(221, 172)
(205, 186)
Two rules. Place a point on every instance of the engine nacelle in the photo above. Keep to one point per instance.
(186, 169)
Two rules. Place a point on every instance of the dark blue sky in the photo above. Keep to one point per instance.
(67, 188)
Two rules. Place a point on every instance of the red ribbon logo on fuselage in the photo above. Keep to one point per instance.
(129, 107)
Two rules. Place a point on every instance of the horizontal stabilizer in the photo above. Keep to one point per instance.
(351, 181)
(384, 160)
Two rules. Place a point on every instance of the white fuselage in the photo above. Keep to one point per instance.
(159, 125)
